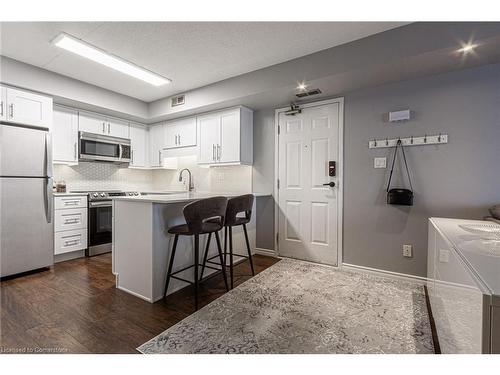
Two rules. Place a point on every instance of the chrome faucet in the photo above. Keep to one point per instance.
(190, 181)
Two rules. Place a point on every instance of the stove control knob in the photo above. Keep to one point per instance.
(136, 193)
(130, 194)
(103, 195)
(95, 195)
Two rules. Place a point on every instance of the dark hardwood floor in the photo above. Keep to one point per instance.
(75, 308)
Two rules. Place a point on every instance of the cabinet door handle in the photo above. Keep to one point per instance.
(213, 152)
(1, 108)
(218, 152)
(159, 157)
(179, 139)
(74, 147)
(132, 156)
(11, 110)
(109, 128)
(104, 127)
(175, 139)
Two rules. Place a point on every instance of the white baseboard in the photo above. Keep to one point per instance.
(402, 276)
(266, 252)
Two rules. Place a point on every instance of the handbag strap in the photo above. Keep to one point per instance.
(399, 143)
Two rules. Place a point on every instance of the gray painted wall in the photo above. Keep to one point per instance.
(460, 179)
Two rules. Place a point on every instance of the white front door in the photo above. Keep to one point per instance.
(308, 209)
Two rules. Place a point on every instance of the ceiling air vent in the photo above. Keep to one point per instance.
(178, 100)
(308, 93)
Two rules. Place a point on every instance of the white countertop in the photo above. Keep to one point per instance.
(181, 197)
(480, 253)
(67, 194)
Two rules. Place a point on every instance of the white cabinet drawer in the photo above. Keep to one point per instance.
(70, 219)
(70, 201)
(71, 240)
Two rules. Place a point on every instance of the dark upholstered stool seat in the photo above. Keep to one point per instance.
(206, 227)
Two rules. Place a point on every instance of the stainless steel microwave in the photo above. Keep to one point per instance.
(97, 147)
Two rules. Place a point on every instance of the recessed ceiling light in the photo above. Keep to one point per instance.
(97, 55)
(301, 86)
(466, 48)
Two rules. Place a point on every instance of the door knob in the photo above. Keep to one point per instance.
(331, 184)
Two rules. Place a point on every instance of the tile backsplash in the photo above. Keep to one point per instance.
(107, 176)
(102, 176)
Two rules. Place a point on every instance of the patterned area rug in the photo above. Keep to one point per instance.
(300, 307)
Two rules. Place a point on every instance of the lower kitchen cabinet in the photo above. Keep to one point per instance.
(70, 223)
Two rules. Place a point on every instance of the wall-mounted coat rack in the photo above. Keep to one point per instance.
(410, 141)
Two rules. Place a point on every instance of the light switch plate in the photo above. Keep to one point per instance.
(379, 162)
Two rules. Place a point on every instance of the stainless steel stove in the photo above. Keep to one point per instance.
(100, 219)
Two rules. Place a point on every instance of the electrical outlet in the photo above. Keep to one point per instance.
(407, 251)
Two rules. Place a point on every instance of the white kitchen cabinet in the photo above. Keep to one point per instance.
(70, 224)
(99, 124)
(3, 103)
(91, 123)
(180, 133)
(139, 141)
(226, 137)
(117, 128)
(209, 137)
(65, 136)
(25, 107)
(156, 144)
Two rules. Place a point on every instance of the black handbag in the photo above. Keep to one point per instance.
(399, 196)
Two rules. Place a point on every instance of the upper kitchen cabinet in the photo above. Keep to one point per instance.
(139, 142)
(156, 144)
(24, 107)
(98, 124)
(226, 137)
(180, 133)
(65, 136)
(3, 103)
(92, 123)
(117, 128)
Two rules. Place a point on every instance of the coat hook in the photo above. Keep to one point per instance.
(374, 142)
(411, 140)
(439, 137)
(386, 142)
(425, 138)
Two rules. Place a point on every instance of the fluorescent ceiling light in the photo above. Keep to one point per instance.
(97, 55)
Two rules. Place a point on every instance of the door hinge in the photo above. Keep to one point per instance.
(278, 183)
(279, 130)
(277, 237)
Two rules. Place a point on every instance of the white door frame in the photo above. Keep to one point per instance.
(340, 173)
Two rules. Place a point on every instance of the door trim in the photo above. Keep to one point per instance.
(340, 174)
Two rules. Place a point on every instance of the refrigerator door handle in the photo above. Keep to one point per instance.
(48, 154)
(48, 200)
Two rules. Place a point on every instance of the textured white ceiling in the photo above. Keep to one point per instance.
(191, 54)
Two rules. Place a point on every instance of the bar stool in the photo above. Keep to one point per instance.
(235, 206)
(205, 216)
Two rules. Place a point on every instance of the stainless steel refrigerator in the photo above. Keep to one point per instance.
(26, 225)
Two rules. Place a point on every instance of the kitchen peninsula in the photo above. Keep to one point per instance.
(142, 245)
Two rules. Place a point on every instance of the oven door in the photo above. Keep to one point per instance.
(104, 148)
(99, 227)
